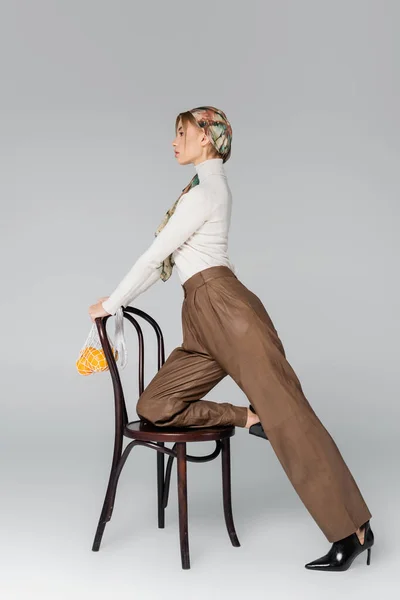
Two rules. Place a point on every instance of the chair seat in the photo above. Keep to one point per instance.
(142, 430)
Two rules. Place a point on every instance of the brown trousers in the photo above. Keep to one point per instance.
(226, 330)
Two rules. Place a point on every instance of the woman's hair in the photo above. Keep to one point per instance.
(186, 118)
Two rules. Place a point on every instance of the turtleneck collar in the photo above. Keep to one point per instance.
(211, 166)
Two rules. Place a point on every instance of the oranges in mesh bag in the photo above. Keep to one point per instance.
(92, 358)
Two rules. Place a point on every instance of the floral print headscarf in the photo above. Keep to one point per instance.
(219, 132)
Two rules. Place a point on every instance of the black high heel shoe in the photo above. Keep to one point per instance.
(344, 551)
(257, 429)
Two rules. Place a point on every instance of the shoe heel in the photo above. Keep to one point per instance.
(369, 556)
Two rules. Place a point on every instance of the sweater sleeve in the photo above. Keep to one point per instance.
(192, 210)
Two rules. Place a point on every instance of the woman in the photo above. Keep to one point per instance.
(227, 330)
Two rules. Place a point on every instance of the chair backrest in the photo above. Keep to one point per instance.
(121, 415)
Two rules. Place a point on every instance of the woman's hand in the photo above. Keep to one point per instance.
(96, 310)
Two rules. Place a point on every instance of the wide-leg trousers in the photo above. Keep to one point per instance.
(227, 331)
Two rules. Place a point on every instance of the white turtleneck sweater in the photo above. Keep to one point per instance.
(196, 235)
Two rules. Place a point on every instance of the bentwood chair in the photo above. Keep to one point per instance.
(145, 434)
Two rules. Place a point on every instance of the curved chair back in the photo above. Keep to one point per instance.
(121, 415)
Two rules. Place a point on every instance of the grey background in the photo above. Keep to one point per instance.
(89, 95)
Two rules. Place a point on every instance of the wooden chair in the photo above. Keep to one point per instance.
(146, 434)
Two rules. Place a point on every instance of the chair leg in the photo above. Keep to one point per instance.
(226, 490)
(167, 480)
(108, 506)
(106, 511)
(160, 487)
(182, 503)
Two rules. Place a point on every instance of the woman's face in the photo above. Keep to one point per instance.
(189, 147)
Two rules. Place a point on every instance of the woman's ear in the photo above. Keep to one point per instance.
(204, 139)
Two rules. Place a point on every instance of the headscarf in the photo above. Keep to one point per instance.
(219, 131)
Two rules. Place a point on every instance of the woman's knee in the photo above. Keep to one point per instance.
(143, 408)
(148, 408)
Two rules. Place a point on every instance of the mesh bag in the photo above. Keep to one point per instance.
(91, 356)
